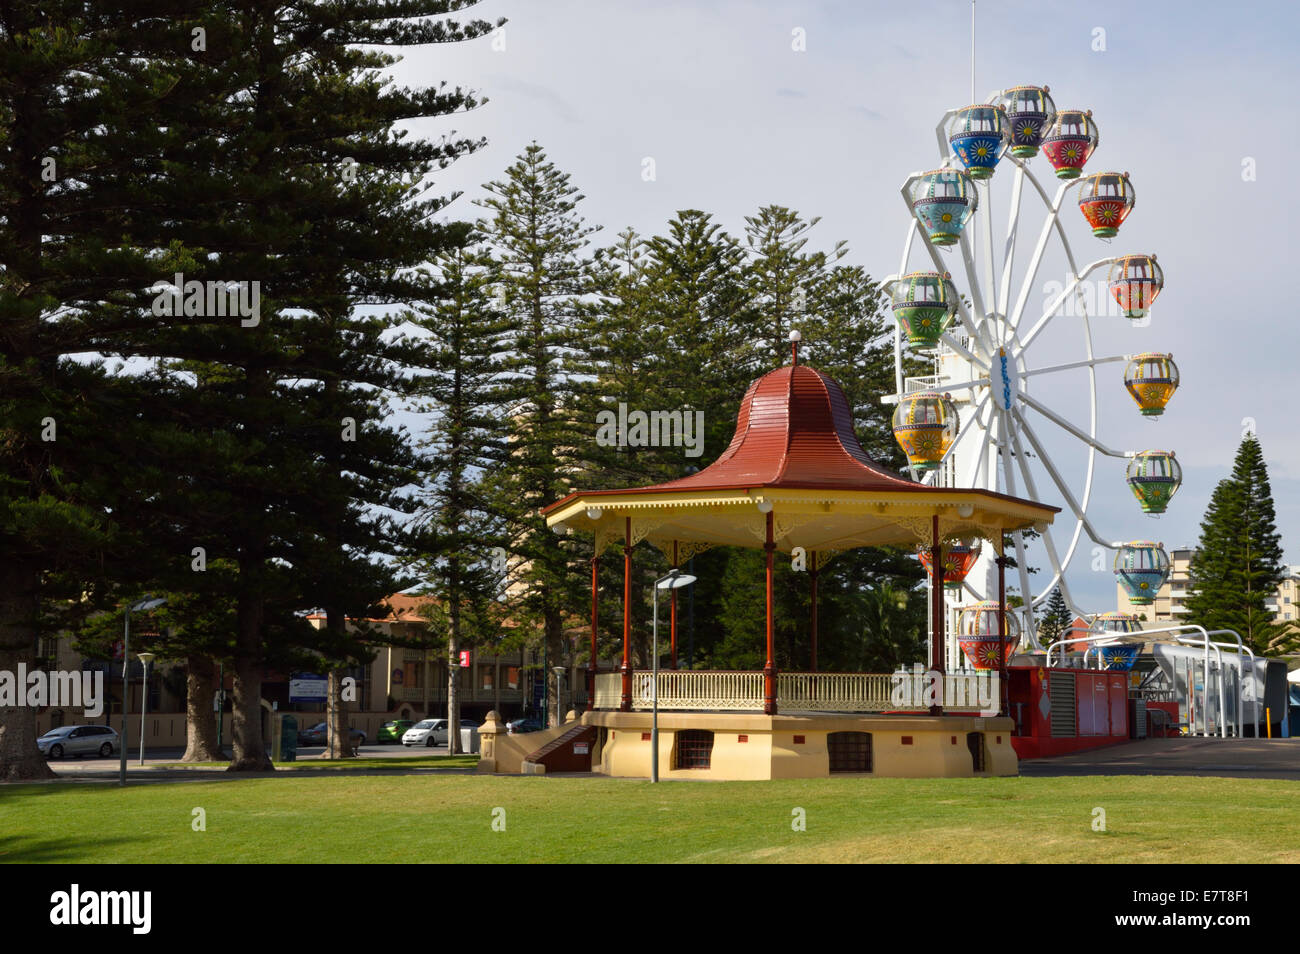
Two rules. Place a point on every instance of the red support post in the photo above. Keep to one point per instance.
(769, 668)
(672, 596)
(812, 621)
(937, 641)
(1002, 634)
(625, 704)
(593, 663)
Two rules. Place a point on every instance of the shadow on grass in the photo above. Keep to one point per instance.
(28, 850)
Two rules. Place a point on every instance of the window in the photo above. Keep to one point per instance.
(975, 742)
(849, 751)
(694, 749)
(512, 677)
(486, 682)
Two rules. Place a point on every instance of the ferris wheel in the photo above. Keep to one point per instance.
(983, 416)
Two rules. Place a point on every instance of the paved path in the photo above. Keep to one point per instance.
(93, 768)
(1229, 758)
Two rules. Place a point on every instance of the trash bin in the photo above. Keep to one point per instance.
(469, 743)
(288, 739)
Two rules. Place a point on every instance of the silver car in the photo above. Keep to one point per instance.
(433, 732)
(79, 740)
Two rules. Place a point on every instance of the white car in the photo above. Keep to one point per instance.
(433, 732)
(78, 740)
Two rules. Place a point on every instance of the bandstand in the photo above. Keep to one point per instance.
(794, 480)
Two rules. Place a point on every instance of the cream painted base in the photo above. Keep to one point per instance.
(755, 747)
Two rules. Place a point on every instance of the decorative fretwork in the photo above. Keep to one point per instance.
(689, 548)
(685, 548)
(918, 525)
(606, 538)
(786, 522)
(643, 526)
(825, 556)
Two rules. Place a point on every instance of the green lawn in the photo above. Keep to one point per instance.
(448, 818)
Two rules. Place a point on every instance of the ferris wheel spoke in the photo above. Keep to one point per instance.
(1052, 221)
(948, 388)
(1009, 252)
(1090, 362)
(1061, 485)
(1054, 307)
(979, 362)
(1076, 431)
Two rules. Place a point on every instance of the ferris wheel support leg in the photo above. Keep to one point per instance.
(1026, 594)
(1062, 487)
(1049, 543)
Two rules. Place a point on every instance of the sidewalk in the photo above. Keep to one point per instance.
(1229, 758)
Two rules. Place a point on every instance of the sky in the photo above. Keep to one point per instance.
(1193, 100)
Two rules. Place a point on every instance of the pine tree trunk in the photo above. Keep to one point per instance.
(19, 757)
(453, 683)
(246, 718)
(200, 719)
(338, 740)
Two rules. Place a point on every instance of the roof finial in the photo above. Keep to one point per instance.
(795, 338)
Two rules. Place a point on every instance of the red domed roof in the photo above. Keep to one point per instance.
(794, 433)
(794, 430)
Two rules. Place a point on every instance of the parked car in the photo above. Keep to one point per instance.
(318, 735)
(431, 732)
(520, 726)
(79, 740)
(393, 731)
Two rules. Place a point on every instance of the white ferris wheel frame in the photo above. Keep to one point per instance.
(1003, 429)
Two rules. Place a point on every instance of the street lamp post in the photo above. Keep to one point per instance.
(674, 580)
(144, 605)
(559, 694)
(145, 658)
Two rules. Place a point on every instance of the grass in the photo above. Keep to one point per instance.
(296, 818)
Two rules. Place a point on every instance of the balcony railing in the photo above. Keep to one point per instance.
(713, 691)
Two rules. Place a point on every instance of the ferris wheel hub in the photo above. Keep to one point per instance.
(1004, 380)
